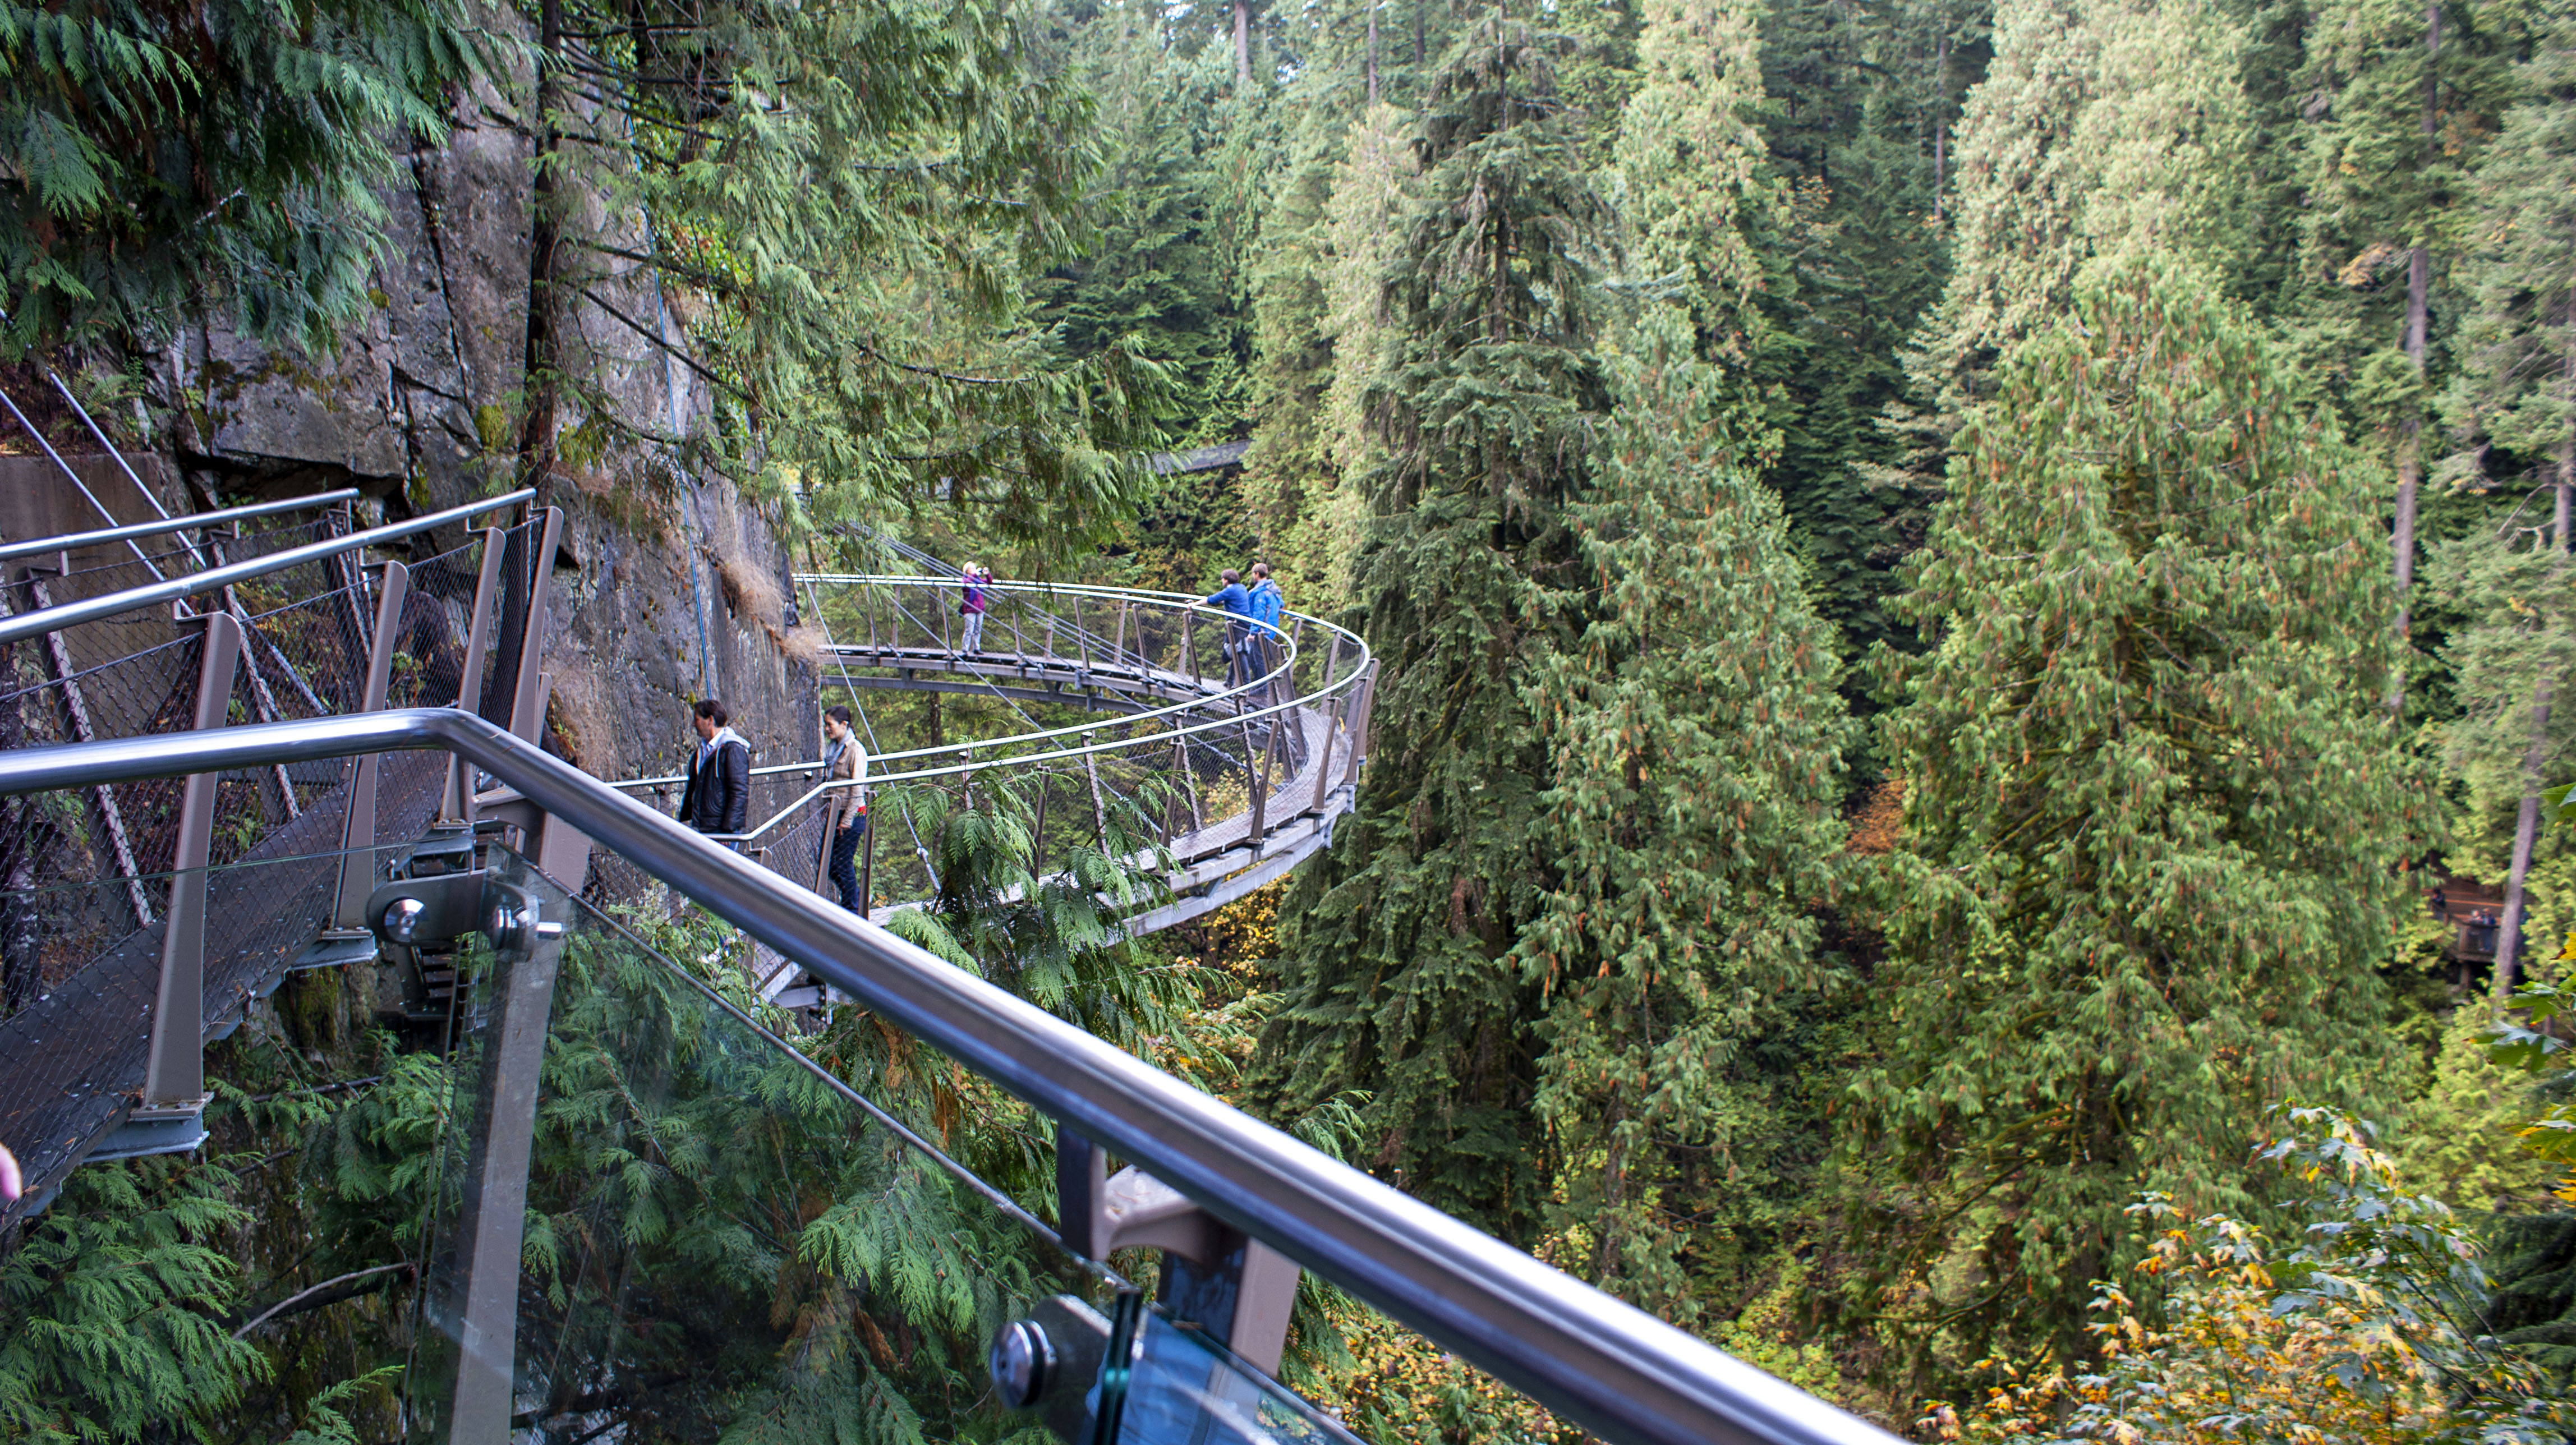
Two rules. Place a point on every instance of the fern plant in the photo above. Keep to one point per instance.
(160, 158)
(110, 1307)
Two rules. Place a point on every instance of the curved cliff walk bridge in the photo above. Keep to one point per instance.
(232, 747)
(1223, 765)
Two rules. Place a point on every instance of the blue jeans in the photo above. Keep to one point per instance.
(845, 869)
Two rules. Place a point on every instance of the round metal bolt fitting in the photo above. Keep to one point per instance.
(1022, 1355)
(402, 919)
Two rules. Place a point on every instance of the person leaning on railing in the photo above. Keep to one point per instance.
(844, 761)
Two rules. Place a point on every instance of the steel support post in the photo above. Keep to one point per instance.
(358, 875)
(527, 698)
(1099, 814)
(1261, 786)
(174, 1079)
(1363, 699)
(491, 1227)
(457, 804)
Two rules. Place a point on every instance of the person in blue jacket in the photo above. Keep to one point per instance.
(1238, 608)
(1267, 604)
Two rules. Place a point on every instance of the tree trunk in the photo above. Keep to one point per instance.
(2526, 830)
(1243, 44)
(1941, 123)
(1372, 56)
(2419, 290)
(545, 246)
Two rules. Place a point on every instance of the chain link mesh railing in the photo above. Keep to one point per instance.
(1206, 736)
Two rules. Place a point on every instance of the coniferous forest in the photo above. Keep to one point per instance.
(1962, 589)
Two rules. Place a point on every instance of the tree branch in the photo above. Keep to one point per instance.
(297, 1302)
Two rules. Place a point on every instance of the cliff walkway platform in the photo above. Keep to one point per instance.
(271, 750)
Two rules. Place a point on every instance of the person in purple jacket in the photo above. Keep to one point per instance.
(979, 580)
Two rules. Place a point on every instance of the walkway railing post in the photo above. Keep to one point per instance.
(358, 831)
(867, 861)
(1363, 701)
(1324, 765)
(527, 696)
(174, 1075)
(456, 802)
(1261, 786)
(1190, 649)
(491, 1228)
(1099, 813)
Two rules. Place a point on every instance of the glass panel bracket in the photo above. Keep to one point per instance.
(1232, 1290)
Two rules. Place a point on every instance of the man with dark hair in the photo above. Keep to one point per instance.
(1267, 606)
(845, 809)
(1237, 604)
(718, 799)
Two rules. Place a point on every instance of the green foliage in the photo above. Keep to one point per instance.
(1159, 277)
(844, 205)
(2459, 1141)
(1397, 965)
(111, 1308)
(161, 162)
(2372, 1328)
(2131, 907)
(2513, 399)
(1696, 742)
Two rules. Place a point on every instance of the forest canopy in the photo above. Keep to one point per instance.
(1972, 599)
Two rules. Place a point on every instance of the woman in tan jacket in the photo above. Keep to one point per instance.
(846, 809)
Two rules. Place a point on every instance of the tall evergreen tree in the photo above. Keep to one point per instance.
(1860, 106)
(2102, 129)
(2155, 814)
(1698, 191)
(2512, 402)
(1159, 276)
(1697, 742)
(2401, 98)
(1397, 949)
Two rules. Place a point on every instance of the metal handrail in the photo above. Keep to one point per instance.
(1112, 594)
(190, 522)
(1619, 1372)
(1159, 738)
(90, 609)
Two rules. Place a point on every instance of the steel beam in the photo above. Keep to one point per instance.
(358, 832)
(174, 1078)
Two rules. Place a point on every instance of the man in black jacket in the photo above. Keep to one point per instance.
(718, 799)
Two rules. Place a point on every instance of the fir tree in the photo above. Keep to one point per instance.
(1697, 745)
(2400, 99)
(2513, 403)
(1699, 194)
(110, 1308)
(1397, 950)
(2155, 815)
(2103, 128)
(1158, 277)
(1861, 105)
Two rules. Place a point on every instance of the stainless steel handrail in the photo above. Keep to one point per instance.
(880, 777)
(1616, 1370)
(1287, 643)
(38, 545)
(91, 609)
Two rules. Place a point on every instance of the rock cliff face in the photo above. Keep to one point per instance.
(666, 588)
